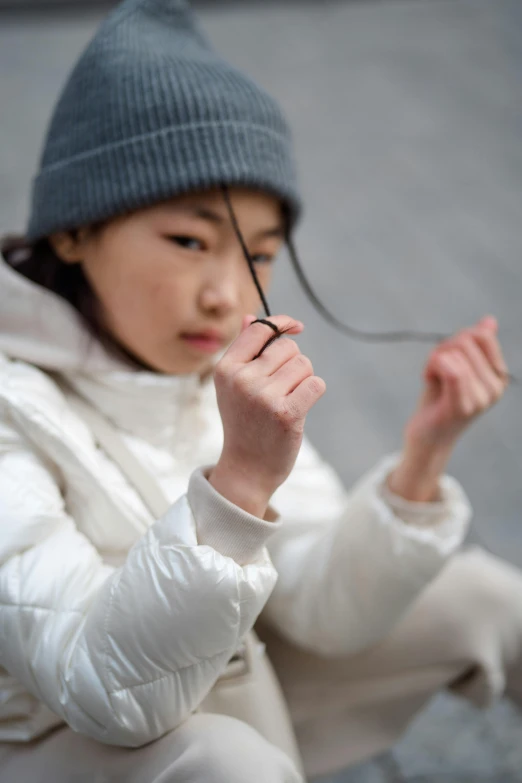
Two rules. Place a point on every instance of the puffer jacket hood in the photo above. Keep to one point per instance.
(41, 328)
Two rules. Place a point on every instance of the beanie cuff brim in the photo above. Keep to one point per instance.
(158, 166)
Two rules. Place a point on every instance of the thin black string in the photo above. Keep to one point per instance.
(278, 333)
(361, 335)
(246, 253)
(271, 339)
(268, 323)
(356, 334)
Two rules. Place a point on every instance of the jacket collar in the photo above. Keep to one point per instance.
(42, 329)
(161, 409)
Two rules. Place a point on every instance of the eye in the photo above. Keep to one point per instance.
(189, 243)
(262, 258)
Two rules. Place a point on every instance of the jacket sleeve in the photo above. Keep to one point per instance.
(350, 564)
(122, 655)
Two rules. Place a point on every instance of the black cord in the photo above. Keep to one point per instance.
(244, 248)
(359, 334)
(402, 336)
(356, 334)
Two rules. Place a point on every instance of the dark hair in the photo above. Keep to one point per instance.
(39, 263)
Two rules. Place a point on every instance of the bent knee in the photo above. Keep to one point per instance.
(477, 601)
(226, 750)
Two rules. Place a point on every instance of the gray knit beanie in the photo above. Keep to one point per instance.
(150, 112)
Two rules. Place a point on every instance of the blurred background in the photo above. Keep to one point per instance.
(407, 116)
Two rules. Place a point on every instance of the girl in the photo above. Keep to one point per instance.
(147, 514)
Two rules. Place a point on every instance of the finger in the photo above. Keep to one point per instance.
(290, 375)
(434, 368)
(475, 398)
(489, 322)
(306, 395)
(251, 340)
(490, 346)
(484, 372)
(454, 374)
(478, 395)
(279, 353)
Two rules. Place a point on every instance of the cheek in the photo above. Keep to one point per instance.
(131, 296)
(168, 300)
(141, 301)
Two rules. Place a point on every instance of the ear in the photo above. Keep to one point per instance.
(69, 246)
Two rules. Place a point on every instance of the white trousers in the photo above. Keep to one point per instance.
(464, 632)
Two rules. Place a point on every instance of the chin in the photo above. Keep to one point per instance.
(196, 367)
(170, 367)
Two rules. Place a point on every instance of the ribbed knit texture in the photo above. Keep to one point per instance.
(150, 112)
(224, 526)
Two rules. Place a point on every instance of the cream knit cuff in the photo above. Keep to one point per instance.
(223, 525)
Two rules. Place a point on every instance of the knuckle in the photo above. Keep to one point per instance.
(303, 362)
(483, 400)
(267, 401)
(316, 385)
(290, 346)
(288, 414)
(286, 411)
(221, 371)
(466, 408)
(283, 348)
(242, 380)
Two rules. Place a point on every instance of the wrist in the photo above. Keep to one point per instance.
(234, 484)
(417, 476)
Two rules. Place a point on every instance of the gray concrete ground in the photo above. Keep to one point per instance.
(408, 125)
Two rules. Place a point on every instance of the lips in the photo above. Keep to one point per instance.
(208, 341)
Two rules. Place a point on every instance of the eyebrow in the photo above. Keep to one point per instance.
(204, 213)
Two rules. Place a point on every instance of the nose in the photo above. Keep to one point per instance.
(220, 292)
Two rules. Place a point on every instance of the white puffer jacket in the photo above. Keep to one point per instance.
(119, 624)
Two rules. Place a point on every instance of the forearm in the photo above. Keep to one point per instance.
(348, 565)
(417, 476)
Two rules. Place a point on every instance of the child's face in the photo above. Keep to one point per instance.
(172, 279)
